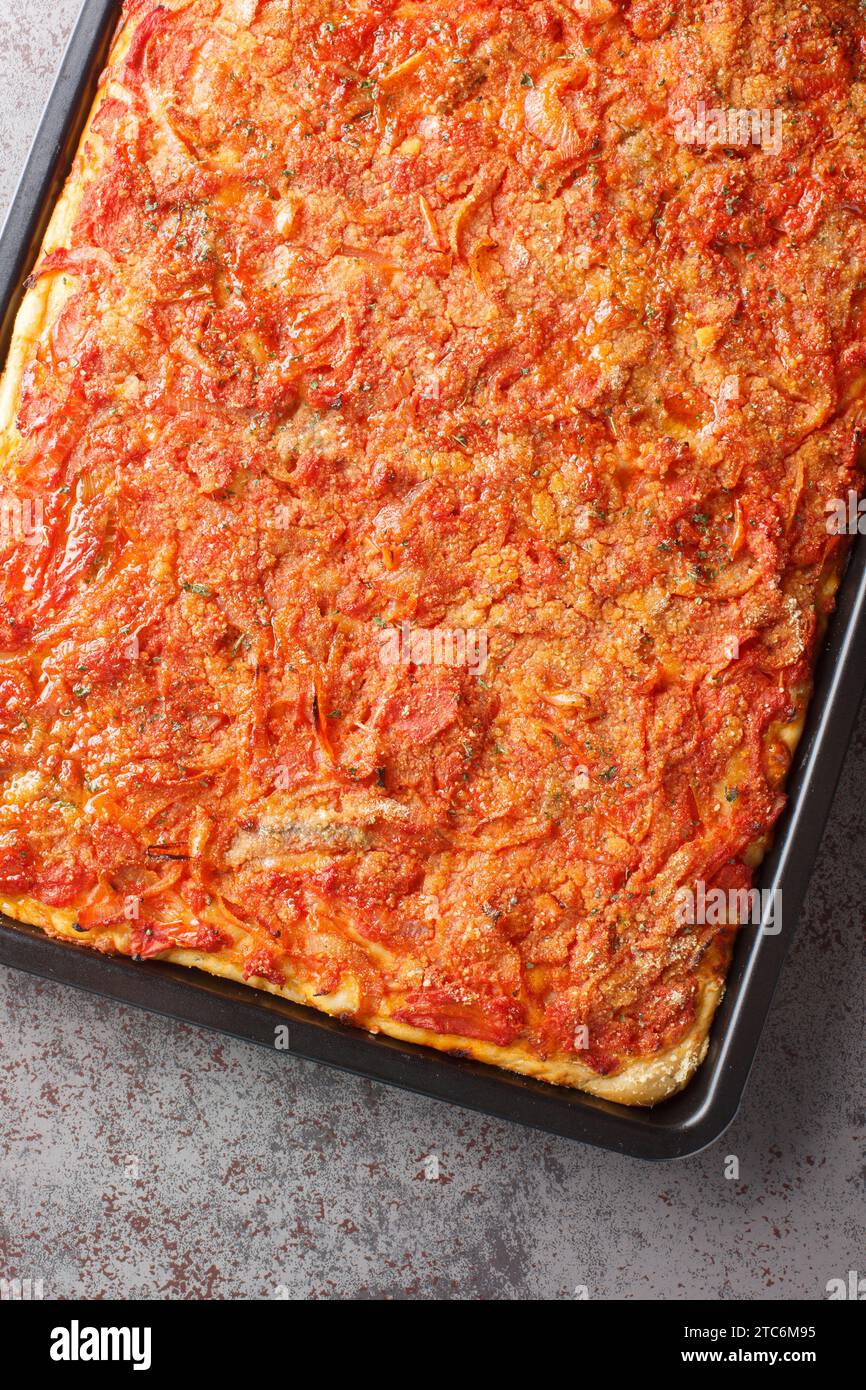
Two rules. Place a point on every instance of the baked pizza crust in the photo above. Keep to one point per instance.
(641, 1081)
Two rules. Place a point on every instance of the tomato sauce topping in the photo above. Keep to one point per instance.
(431, 460)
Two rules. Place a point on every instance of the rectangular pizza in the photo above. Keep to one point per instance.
(422, 454)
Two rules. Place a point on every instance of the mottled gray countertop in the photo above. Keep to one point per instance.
(140, 1157)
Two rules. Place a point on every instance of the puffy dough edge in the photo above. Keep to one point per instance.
(43, 301)
(643, 1081)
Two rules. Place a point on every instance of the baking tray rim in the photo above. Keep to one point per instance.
(677, 1128)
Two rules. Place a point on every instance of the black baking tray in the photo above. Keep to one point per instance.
(678, 1127)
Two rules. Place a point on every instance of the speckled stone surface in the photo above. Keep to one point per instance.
(139, 1157)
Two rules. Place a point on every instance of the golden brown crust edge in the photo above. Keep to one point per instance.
(642, 1081)
(43, 301)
